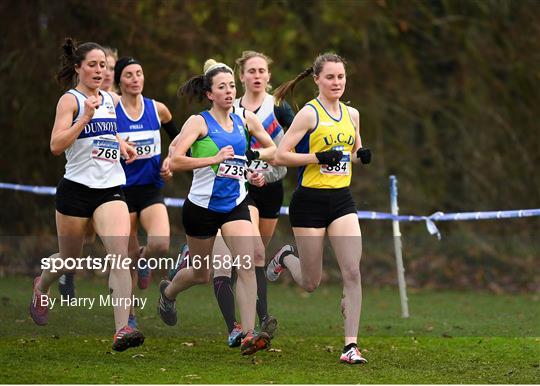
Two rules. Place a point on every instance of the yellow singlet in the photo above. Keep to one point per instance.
(329, 133)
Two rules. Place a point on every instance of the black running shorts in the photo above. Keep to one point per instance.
(318, 208)
(139, 197)
(267, 199)
(204, 223)
(78, 200)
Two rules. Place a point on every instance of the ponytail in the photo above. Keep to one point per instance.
(72, 56)
(316, 69)
(197, 86)
(289, 86)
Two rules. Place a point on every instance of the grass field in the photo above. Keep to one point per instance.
(451, 337)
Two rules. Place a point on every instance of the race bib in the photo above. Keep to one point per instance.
(258, 165)
(343, 168)
(106, 150)
(145, 148)
(232, 168)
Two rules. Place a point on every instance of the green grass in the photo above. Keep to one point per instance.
(451, 337)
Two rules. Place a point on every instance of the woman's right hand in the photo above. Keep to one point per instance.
(90, 105)
(224, 153)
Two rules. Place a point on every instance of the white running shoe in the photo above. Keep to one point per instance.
(353, 356)
(273, 269)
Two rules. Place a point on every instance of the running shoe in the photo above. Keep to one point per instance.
(235, 337)
(38, 311)
(132, 321)
(181, 261)
(166, 307)
(127, 337)
(66, 286)
(274, 268)
(254, 342)
(352, 356)
(269, 325)
(144, 274)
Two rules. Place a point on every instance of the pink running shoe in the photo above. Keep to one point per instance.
(274, 268)
(38, 308)
(353, 356)
(127, 337)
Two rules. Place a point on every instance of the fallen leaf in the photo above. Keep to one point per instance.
(187, 344)
(138, 356)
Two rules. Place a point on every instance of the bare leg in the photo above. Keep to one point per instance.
(267, 226)
(71, 233)
(307, 268)
(238, 236)
(111, 222)
(346, 240)
(188, 277)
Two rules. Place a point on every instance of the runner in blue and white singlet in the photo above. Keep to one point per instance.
(90, 192)
(220, 187)
(93, 159)
(264, 202)
(144, 133)
(139, 122)
(216, 201)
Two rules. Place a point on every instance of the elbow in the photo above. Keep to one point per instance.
(55, 150)
(176, 164)
(279, 159)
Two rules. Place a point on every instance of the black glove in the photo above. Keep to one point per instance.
(330, 157)
(364, 154)
(251, 155)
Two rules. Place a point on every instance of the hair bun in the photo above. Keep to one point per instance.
(209, 63)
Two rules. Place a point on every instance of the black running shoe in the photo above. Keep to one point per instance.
(66, 286)
(166, 307)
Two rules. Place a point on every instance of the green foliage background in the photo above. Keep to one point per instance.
(447, 91)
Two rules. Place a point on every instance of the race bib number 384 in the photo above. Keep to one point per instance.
(106, 150)
(232, 168)
(343, 168)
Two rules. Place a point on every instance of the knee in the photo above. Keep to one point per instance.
(259, 257)
(201, 277)
(158, 248)
(351, 276)
(310, 286)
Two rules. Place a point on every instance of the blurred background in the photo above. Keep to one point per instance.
(448, 92)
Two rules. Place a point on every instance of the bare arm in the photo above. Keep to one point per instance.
(65, 132)
(355, 116)
(257, 130)
(304, 121)
(163, 112)
(194, 128)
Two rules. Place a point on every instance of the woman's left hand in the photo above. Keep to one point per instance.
(128, 152)
(256, 179)
(165, 171)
